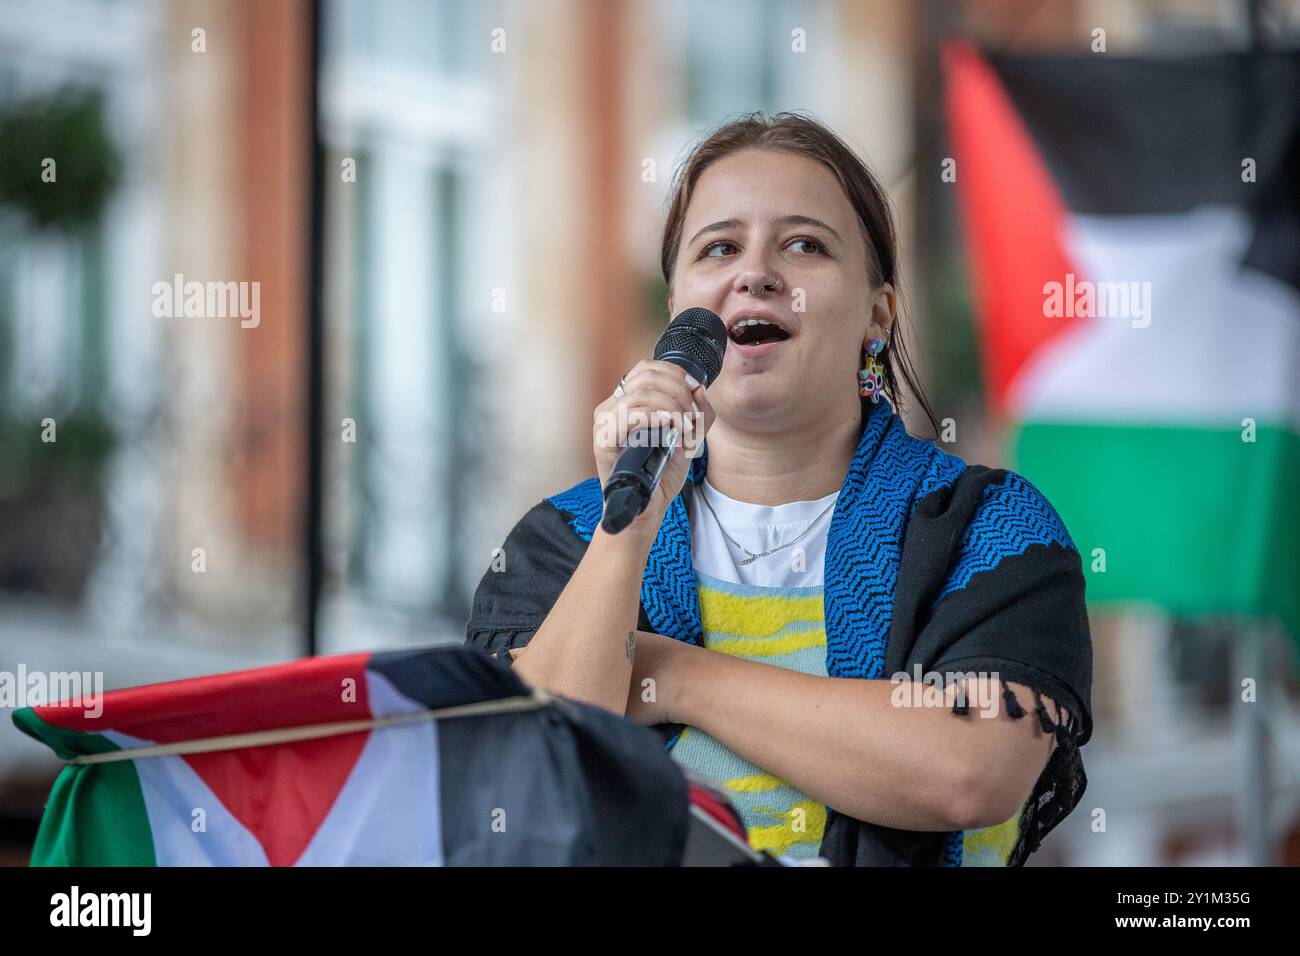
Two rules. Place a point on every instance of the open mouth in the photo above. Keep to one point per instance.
(757, 332)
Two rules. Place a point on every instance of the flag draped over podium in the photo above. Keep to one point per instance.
(1133, 232)
(429, 757)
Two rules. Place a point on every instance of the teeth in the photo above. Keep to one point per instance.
(744, 323)
(737, 329)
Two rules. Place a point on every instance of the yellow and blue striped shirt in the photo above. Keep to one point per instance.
(781, 626)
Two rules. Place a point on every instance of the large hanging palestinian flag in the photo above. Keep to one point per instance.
(1133, 233)
(427, 757)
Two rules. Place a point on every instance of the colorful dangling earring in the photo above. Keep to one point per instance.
(871, 379)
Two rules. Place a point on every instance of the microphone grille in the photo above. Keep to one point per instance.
(699, 334)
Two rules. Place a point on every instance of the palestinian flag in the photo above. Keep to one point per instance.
(1133, 229)
(339, 761)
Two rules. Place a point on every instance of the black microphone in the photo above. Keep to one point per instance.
(697, 341)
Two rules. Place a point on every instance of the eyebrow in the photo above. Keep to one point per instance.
(791, 220)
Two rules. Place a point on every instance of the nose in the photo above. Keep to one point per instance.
(757, 282)
(755, 274)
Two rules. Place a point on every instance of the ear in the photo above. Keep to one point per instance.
(883, 306)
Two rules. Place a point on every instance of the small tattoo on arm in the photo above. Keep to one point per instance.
(631, 644)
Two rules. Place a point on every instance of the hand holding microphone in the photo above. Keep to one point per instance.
(643, 456)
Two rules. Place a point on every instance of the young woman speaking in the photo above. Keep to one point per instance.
(760, 611)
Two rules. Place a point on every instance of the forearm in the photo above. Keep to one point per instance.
(581, 650)
(842, 741)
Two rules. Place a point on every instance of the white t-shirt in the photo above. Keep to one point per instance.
(758, 528)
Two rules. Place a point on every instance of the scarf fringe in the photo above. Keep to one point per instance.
(1061, 784)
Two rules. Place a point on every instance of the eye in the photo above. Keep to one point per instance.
(704, 253)
(808, 239)
(819, 248)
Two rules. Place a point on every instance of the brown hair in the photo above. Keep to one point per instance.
(807, 137)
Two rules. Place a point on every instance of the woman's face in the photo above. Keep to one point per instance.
(772, 234)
